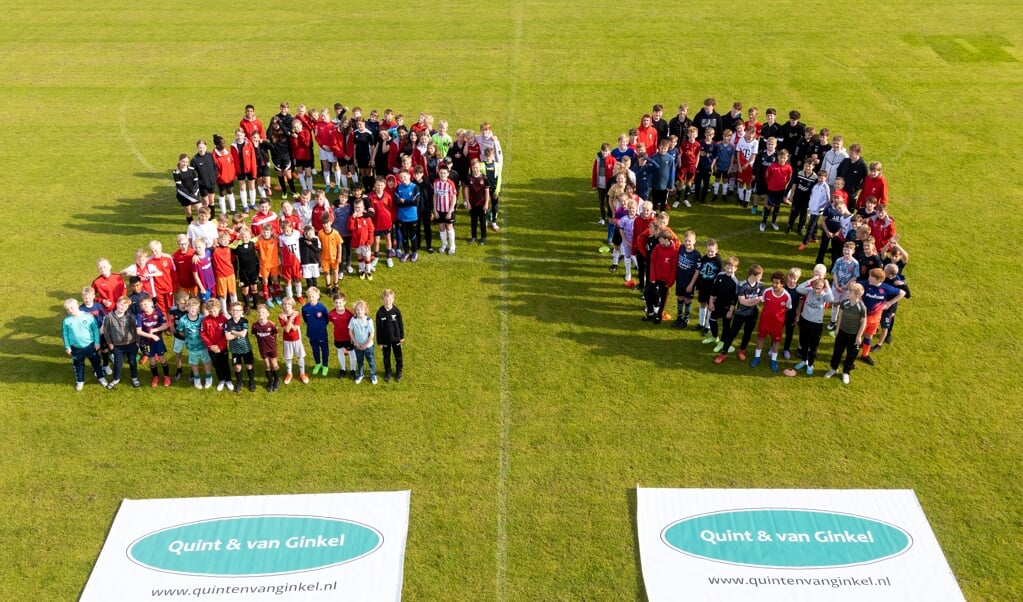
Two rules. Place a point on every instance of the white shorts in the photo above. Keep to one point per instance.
(293, 349)
(363, 251)
(310, 270)
(326, 155)
(626, 249)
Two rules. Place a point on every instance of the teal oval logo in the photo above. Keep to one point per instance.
(255, 545)
(786, 538)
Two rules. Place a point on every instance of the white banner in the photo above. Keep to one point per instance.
(787, 545)
(331, 546)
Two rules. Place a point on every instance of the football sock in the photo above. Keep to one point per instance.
(341, 358)
(678, 309)
(291, 185)
(451, 237)
(252, 376)
(326, 178)
(301, 363)
(615, 255)
(289, 290)
(230, 201)
(773, 355)
(244, 194)
(443, 238)
(688, 308)
(757, 353)
(298, 287)
(628, 269)
(223, 204)
(166, 369)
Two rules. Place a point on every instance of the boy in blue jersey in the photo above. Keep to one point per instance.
(314, 314)
(687, 274)
(724, 155)
(81, 342)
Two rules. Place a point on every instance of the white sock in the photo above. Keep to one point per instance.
(773, 355)
(443, 238)
(717, 187)
(702, 316)
(288, 289)
(301, 364)
(615, 256)
(298, 288)
(628, 269)
(351, 358)
(301, 181)
(223, 305)
(834, 312)
(326, 178)
(262, 192)
(757, 353)
(341, 358)
(245, 198)
(287, 364)
(223, 205)
(230, 201)
(343, 180)
(451, 237)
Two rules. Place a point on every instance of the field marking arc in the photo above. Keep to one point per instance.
(501, 577)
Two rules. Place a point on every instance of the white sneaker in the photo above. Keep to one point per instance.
(229, 385)
(198, 383)
(373, 380)
(103, 381)
(209, 382)
(763, 226)
(351, 270)
(221, 385)
(358, 379)
(687, 203)
(675, 205)
(829, 373)
(443, 250)
(390, 262)
(108, 370)
(113, 383)
(775, 226)
(496, 228)
(451, 251)
(845, 378)
(79, 386)
(600, 222)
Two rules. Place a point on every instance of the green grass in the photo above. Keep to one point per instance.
(525, 352)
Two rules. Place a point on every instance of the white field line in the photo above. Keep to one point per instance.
(501, 578)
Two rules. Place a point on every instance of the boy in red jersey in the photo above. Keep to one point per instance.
(324, 135)
(109, 287)
(213, 336)
(777, 302)
(223, 271)
(302, 154)
(265, 218)
(340, 318)
(382, 201)
(182, 259)
(688, 158)
(250, 123)
(291, 322)
(602, 178)
(663, 268)
(361, 226)
(244, 156)
(164, 278)
(777, 178)
(227, 172)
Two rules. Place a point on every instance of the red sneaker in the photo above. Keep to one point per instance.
(630, 284)
(802, 247)
(166, 381)
(156, 381)
(665, 317)
(720, 358)
(742, 354)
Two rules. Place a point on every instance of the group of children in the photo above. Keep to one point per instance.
(406, 177)
(114, 324)
(836, 199)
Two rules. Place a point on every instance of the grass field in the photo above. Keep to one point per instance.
(535, 400)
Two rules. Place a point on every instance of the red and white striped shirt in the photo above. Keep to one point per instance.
(444, 195)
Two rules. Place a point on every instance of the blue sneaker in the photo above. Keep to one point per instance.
(800, 365)
(774, 365)
(754, 362)
(809, 370)
(269, 303)
(753, 210)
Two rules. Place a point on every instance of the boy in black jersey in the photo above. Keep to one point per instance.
(710, 266)
(186, 187)
(750, 294)
(721, 304)
(246, 267)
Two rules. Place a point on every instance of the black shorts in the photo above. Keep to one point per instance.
(225, 188)
(887, 319)
(263, 171)
(703, 287)
(187, 202)
(242, 358)
(345, 162)
(381, 232)
(205, 190)
(245, 177)
(616, 238)
(282, 165)
(363, 161)
(248, 277)
(760, 186)
(344, 345)
(680, 287)
(304, 163)
(445, 218)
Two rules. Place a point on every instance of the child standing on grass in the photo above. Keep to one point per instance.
(878, 297)
(291, 331)
(94, 309)
(266, 338)
(268, 251)
(191, 326)
(721, 304)
(236, 331)
(777, 179)
(202, 266)
(852, 320)
(750, 294)
(663, 271)
(816, 296)
(390, 335)
(223, 272)
(316, 318)
(686, 277)
(361, 330)
(709, 267)
(792, 315)
(151, 325)
(820, 196)
(81, 342)
(174, 314)
(361, 226)
(445, 195)
(340, 318)
(119, 328)
(844, 272)
(776, 302)
(244, 253)
(291, 263)
(213, 336)
(626, 224)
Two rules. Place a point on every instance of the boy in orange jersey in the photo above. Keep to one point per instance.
(268, 251)
(331, 245)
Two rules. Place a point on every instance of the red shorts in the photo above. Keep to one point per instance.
(745, 176)
(771, 329)
(873, 321)
(291, 271)
(686, 174)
